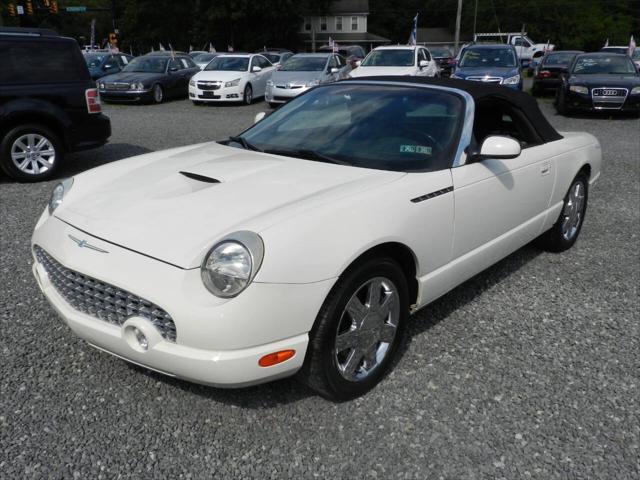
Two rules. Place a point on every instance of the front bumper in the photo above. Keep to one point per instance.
(126, 95)
(282, 94)
(222, 94)
(219, 342)
(587, 103)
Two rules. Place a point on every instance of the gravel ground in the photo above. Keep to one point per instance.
(529, 370)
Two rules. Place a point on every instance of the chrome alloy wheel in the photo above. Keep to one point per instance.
(367, 328)
(33, 153)
(572, 211)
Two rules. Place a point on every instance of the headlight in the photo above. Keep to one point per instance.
(58, 194)
(192, 82)
(511, 80)
(579, 89)
(313, 83)
(233, 83)
(635, 91)
(101, 86)
(232, 263)
(136, 86)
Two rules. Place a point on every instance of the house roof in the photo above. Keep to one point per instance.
(345, 37)
(349, 6)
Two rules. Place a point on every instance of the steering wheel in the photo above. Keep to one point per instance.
(432, 142)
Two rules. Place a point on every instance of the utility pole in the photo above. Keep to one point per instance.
(458, 20)
(475, 19)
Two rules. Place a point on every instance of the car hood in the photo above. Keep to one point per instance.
(131, 77)
(222, 75)
(371, 71)
(625, 81)
(503, 72)
(280, 77)
(175, 205)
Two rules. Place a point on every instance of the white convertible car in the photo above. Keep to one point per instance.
(303, 244)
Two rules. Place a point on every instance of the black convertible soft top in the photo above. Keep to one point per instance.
(524, 102)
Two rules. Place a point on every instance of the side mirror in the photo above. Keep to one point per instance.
(358, 63)
(173, 69)
(423, 63)
(259, 116)
(334, 70)
(256, 69)
(109, 66)
(498, 146)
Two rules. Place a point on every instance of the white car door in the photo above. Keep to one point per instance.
(432, 68)
(258, 82)
(501, 203)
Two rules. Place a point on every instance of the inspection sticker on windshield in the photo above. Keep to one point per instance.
(415, 149)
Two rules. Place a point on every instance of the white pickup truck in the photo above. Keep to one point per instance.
(526, 48)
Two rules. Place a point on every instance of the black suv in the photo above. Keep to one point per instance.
(48, 103)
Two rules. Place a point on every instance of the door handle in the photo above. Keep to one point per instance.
(545, 169)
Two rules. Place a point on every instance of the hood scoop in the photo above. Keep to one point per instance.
(200, 178)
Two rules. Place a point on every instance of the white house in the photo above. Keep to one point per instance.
(346, 23)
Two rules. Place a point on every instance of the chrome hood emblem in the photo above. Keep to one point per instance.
(84, 244)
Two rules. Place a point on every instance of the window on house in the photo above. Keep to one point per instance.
(338, 23)
(354, 23)
(307, 24)
(323, 24)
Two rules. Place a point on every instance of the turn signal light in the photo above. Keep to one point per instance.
(276, 357)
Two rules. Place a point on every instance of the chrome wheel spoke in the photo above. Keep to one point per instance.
(370, 356)
(352, 364)
(356, 310)
(373, 296)
(388, 333)
(19, 155)
(348, 339)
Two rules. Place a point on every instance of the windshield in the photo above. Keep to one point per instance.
(147, 64)
(93, 60)
(272, 57)
(233, 64)
(389, 58)
(304, 64)
(559, 59)
(488, 57)
(398, 128)
(604, 65)
(204, 57)
(440, 52)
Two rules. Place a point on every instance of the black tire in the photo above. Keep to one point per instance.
(197, 103)
(274, 105)
(320, 370)
(247, 96)
(28, 174)
(561, 102)
(554, 240)
(157, 95)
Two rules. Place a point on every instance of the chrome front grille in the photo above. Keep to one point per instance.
(608, 98)
(485, 79)
(117, 86)
(102, 300)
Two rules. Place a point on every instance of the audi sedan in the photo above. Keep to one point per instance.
(302, 245)
(600, 82)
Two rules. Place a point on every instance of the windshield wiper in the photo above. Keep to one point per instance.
(305, 154)
(246, 145)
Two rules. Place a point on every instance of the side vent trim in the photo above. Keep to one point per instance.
(437, 193)
(200, 178)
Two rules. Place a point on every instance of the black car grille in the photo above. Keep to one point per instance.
(102, 300)
(209, 85)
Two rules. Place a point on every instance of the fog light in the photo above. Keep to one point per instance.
(140, 337)
(276, 357)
